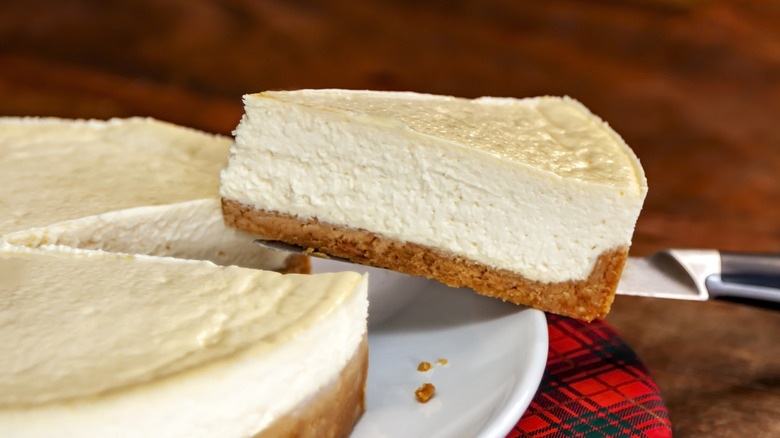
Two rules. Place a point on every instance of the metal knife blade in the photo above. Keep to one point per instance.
(661, 275)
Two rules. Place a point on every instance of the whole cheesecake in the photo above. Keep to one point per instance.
(128, 308)
(533, 201)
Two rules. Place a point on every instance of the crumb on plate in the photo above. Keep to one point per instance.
(425, 392)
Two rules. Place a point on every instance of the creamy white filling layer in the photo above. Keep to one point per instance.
(236, 395)
(191, 230)
(358, 169)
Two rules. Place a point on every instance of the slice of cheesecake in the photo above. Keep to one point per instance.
(97, 344)
(533, 201)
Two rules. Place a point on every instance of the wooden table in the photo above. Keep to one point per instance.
(693, 86)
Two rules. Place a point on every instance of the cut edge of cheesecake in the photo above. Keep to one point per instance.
(586, 299)
(324, 415)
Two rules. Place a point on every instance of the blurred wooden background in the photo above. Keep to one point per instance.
(693, 86)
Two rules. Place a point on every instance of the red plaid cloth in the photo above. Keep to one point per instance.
(593, 386)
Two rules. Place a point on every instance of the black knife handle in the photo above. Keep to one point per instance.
(752, 269)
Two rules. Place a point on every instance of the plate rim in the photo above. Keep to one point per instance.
(524, 392)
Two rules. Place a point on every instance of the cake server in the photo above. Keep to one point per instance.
(686, 274)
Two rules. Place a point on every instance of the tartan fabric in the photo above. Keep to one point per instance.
(593, 386)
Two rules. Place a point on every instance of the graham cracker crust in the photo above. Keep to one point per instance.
(587, 299)
(334, 410)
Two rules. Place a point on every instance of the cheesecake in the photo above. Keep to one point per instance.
(533, 201)
(56, 169)
(129, 171)
(128, 308)
(97, 344)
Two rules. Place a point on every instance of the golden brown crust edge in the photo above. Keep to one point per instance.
(296, 264)
(334, 411)
(587, 299)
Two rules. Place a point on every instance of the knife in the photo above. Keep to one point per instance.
(699, 275)
(686, 274)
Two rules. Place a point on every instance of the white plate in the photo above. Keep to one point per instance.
(496, 353)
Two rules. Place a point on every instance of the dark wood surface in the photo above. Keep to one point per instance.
(693, 86)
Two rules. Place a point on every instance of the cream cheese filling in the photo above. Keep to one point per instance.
(557, 135)
(386, 163)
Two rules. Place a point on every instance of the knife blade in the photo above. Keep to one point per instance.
(685, 274)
